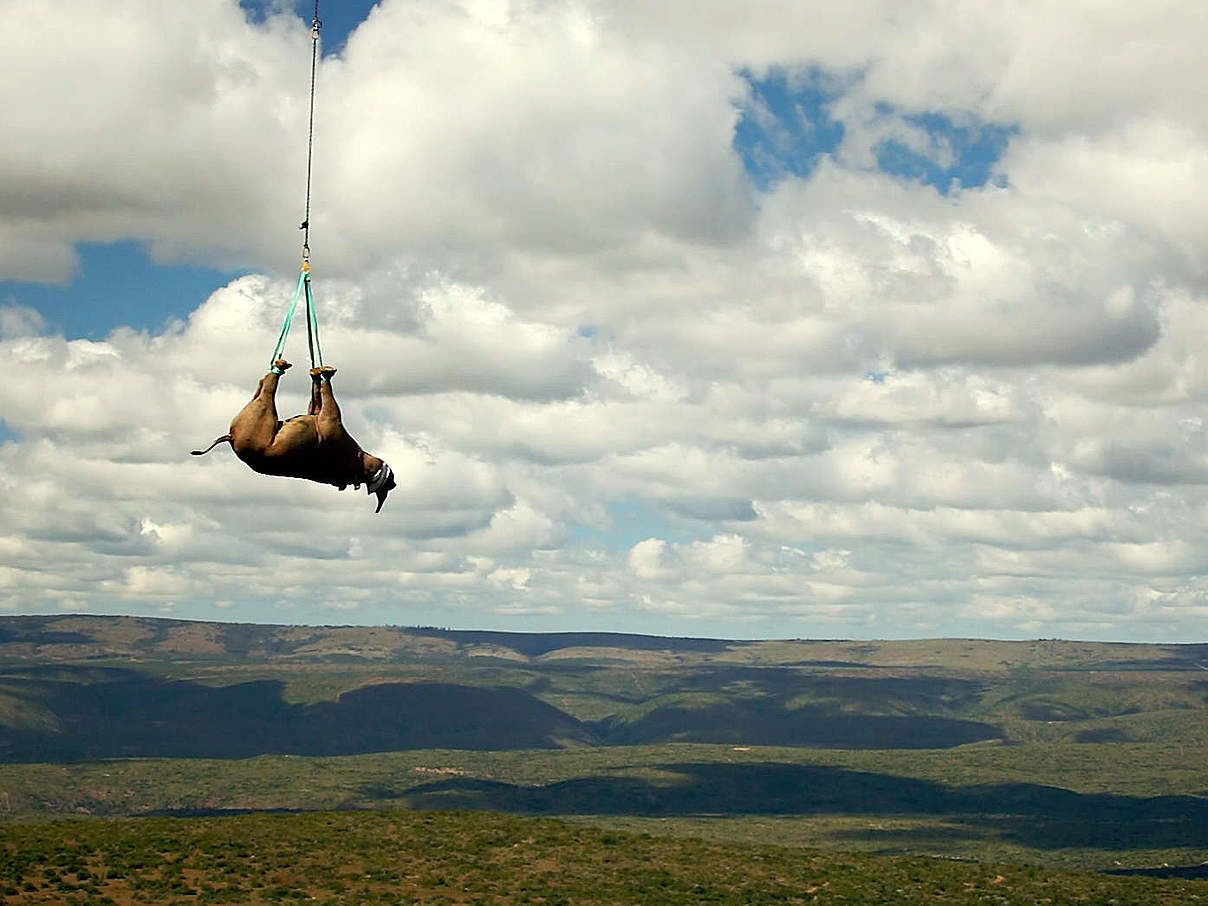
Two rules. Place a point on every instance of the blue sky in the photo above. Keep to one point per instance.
(787, 325)
(118, 285)
(338, 19)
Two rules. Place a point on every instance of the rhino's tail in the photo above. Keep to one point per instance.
(226, 438)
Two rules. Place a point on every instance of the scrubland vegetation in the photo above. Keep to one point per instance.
(459, 857)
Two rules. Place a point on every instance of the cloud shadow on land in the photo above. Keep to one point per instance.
(115, 713)
(769, 724)
(778, 706)
(1032, 815)
(85, 713)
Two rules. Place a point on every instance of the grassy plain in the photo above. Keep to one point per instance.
(1100, 806)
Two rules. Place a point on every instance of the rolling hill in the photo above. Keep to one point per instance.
(80, 688)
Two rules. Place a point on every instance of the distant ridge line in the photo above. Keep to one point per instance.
(535, 644)
(532, 644)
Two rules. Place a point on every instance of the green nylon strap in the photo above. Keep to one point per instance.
(303, 281)
(312, 327)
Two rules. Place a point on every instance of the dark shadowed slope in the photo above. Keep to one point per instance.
(1037, 816)
(74, 713)
(115, 713)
